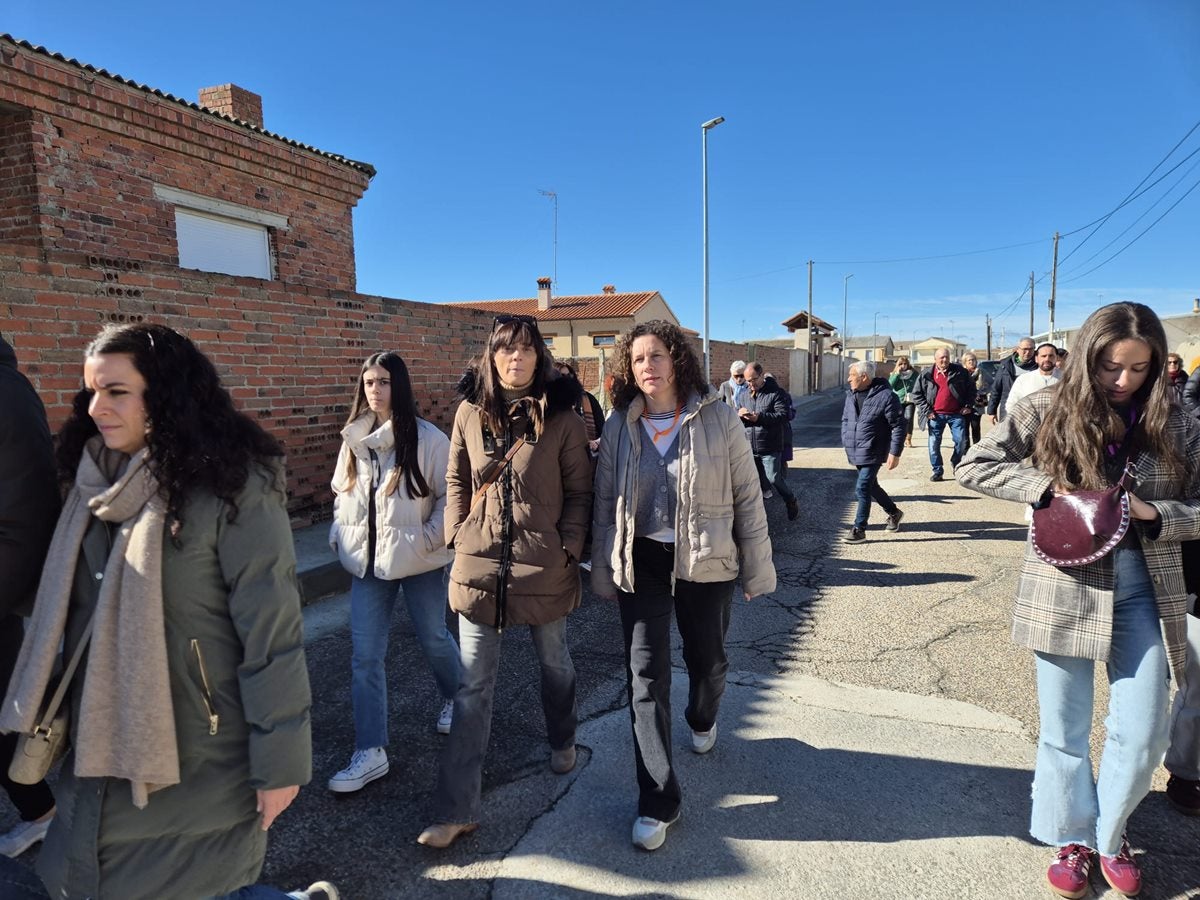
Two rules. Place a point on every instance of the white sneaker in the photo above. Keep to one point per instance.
(445, 717)
(365, 766)
(702, 741)
(318, 890)
(23, 836)
(649, 834)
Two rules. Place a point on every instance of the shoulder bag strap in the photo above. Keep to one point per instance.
(497, 470)
(65, 682)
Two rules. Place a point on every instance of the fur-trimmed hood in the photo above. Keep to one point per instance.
(562, 393)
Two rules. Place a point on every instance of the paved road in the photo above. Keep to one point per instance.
(876, 736)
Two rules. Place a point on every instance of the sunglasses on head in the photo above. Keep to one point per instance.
(513, 319)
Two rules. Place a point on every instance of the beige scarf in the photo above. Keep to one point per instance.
(126, 726)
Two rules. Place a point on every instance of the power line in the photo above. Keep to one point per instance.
(1136, 239)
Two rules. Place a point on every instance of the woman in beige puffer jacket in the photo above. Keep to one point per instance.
(389, 503)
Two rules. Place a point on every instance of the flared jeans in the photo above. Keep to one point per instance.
(1069, 806)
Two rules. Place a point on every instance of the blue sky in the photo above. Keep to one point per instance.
(855, 132)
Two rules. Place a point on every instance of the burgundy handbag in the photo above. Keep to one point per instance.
(1081, 527)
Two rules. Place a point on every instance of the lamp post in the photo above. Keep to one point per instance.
(704, 129)
(845, 294)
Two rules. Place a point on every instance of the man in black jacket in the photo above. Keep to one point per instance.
(945, 394)
(1016, 365)
(764, 416)
(28, 510)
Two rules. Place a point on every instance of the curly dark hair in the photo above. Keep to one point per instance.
(404, 423)
(196, 439)
(688, 376)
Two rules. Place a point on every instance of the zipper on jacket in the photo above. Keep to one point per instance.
(213, 719)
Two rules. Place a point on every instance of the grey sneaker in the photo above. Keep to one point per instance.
(445, 717)
(365, 766)
(23, 836)
(893, 521)
(703, 741)
(856, 536)
(318, 890)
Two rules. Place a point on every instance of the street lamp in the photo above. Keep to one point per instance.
(704, 129)
(845, 294)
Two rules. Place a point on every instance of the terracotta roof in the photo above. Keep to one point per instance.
(585, 306)
(800, 320)
(366, 168)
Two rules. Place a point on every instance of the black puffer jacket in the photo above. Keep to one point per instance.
(766, 435)
(29, 497)
(876, 430)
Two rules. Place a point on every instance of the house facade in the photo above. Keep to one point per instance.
(121, 203)
(580, 326)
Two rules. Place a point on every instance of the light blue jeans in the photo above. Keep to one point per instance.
(371, 603)
(460, 775)
(1069, 807)
(958, 432)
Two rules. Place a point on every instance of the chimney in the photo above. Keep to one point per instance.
(1196, 305)
(610, 289)
(543, 293)
(236, 102)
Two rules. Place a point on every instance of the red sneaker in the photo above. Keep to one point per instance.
(1121, 871)
(1068, 874)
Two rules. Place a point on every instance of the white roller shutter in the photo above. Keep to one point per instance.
(217, 244)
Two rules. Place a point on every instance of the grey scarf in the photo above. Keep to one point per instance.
(126, 726)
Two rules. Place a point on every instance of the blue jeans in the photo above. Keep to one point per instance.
(866, 489)
(958, 431)
(460, 774)
(256, 892)
(371, 603)
(1068, 806)
(772, 470)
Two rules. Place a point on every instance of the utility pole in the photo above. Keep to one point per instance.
(810, 331)
(988, 320)
(553, 196)
(1031, 283)
(1053, 288)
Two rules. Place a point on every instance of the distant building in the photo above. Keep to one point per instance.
(921, 352)
(582, 325)
(875, 347)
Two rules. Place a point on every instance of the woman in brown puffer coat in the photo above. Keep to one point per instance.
(518, 502)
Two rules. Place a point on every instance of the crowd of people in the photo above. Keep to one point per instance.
(152, 542)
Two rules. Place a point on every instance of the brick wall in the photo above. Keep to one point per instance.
(289, 354)
(776, 360)
(99, 146)
(18, 181)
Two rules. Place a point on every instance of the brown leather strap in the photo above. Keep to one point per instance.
(496, 473)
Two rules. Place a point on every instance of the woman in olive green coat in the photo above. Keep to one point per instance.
(173, 559)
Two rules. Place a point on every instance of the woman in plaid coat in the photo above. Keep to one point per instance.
(1127, 608)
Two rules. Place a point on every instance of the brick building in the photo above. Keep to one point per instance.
(121, 203)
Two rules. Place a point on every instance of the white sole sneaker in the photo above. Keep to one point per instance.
(703, 741)
(344, 783)
(650, 834)
(22, 837)
(445, 718)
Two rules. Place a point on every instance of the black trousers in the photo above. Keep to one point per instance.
(31, 800)
(702, 614)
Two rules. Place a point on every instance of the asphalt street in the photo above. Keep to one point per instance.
(876, 738)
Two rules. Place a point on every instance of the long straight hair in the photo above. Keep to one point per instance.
(404, 424)
(1080, 424)
(509, 331)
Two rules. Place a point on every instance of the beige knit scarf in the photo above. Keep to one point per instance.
(126, 726)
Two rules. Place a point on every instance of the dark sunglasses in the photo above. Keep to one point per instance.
(513, 319)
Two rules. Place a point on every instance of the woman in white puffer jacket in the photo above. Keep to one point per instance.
(389, 502)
